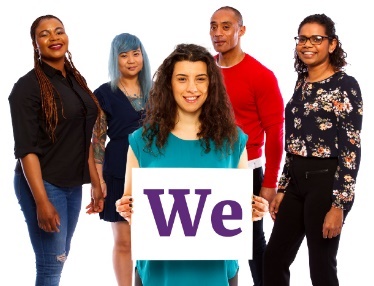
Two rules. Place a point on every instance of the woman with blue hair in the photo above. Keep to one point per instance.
(123, 101)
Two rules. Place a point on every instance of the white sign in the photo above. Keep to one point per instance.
(191, 214)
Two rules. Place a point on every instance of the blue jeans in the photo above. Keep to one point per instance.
(51, 248)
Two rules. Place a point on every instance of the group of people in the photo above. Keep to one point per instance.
(224, 111)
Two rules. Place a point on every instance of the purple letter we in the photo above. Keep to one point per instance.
(180, 206)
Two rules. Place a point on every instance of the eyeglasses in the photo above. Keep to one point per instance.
(314, 40)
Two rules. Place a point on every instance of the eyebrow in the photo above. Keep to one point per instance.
(47, 30)
(182, 74)
(131, 51)
(224, 22)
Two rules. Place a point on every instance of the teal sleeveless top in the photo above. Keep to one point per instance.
(179, 153)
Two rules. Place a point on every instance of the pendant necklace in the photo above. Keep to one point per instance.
(136, 100)
(127, 94)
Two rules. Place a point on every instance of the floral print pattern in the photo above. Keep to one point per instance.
(324, 119)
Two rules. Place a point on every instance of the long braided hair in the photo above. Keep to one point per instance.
(47, 90)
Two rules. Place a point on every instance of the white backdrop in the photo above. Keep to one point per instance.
(91, 25)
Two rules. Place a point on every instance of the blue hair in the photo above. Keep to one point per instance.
(123, 43)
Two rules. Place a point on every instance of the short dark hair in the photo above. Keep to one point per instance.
(237, 13)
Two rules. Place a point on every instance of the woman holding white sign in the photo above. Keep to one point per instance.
(189, 123)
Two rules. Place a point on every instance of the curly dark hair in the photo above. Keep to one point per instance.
(337, 57)
(217, 117)
(47, 90)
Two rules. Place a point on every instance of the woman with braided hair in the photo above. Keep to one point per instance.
(53, 114)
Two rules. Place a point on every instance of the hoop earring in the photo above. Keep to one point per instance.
(36, 50)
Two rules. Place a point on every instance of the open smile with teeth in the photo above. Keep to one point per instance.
(56, 46)
(308, 55)
(191, 98)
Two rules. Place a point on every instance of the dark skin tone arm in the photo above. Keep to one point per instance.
(97, 198)
(48, 217)
(332, 225)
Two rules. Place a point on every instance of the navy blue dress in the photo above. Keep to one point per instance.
(122, 120)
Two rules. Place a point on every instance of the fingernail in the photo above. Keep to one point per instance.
(130, 199)
(253, 202)
(130, 205)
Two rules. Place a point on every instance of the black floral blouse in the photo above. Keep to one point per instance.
(323, 119)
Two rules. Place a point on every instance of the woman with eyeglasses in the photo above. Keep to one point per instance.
(322, 141)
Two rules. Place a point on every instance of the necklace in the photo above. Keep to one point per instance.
(129, 95)
(136, 100)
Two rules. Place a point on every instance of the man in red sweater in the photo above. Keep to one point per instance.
(259, 111)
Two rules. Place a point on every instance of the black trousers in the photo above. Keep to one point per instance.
(301, 214)
(259, 242)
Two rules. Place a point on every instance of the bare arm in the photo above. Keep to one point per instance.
(124, 204)
(98, 144)
(97, 199)
(243, 161)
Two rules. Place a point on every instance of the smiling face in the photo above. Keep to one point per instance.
(315, 55)
(190, 84)
(130, 63)
(225, 31)
(51, 41)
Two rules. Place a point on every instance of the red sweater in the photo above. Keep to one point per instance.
(259, 110)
